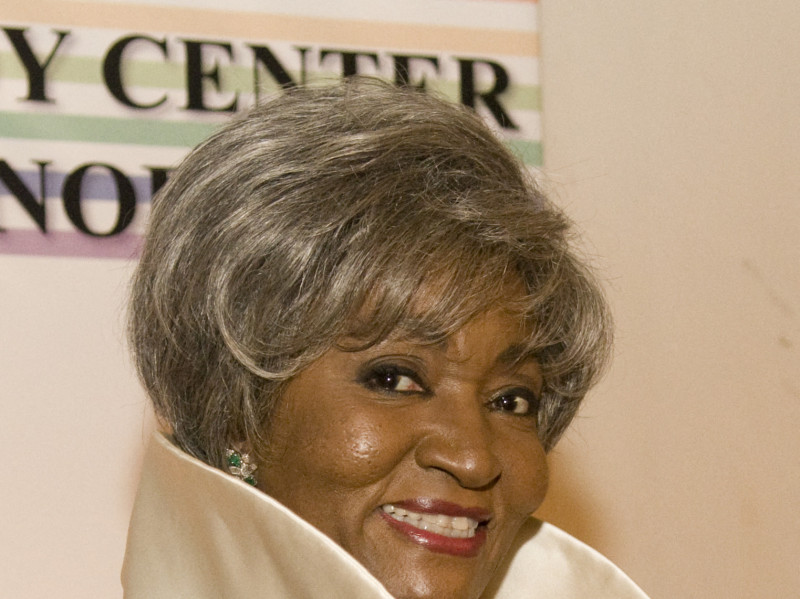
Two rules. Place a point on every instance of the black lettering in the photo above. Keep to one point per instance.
(264, 56)
(112, 70)
(402, 69)
(24, 196)
(71, 195)
(36, 70)
(195, 76)
(349, 60)
(469, 95)
(158, 177)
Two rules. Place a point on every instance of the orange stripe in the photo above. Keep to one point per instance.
(258, 26)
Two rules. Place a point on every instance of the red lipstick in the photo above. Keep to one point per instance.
(433, 541)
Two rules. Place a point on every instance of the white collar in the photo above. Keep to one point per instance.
(199, 533)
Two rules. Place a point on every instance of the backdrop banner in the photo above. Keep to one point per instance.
(99, 100)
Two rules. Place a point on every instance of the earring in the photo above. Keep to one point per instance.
(240, 466)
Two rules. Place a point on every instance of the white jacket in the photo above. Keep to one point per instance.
(198, 533)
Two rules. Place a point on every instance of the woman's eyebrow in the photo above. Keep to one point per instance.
(514, 354)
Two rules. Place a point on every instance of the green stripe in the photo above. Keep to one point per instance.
(170, 75)
(153, 132)
(104, 129)
(518, 97)
(530, 152)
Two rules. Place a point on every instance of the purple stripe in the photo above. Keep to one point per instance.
(66, 243)
(98, 184)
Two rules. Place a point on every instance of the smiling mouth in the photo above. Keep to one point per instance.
(454, 527)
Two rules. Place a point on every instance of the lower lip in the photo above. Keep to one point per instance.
(437, 543)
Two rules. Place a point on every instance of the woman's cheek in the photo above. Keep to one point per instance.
(364, 452)
(342, 442)
(528, 476)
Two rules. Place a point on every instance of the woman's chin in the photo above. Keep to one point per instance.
(420, 564)
(426, 580)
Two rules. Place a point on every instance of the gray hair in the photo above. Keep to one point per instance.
(320, 215)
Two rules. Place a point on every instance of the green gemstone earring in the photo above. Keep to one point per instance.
(240, 466)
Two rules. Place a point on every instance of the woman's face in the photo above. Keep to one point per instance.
(422, 461)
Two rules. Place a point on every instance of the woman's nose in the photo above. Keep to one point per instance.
(459, 442)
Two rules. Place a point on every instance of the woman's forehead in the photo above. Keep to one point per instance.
(506, 322)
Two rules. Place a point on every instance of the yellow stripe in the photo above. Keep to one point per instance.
(259, 26)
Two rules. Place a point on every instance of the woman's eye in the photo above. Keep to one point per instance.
(394, 379)
(522, 402)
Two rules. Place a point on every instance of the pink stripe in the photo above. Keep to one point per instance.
(65, 243)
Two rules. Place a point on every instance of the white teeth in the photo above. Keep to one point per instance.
(459, 527)
(460, 523)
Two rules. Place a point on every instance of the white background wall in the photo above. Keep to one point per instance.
(672, 134)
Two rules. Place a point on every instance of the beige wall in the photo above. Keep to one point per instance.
(672, 134)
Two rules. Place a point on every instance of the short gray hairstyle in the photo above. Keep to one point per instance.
(320, 215)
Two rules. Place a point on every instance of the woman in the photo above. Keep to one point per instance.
(355, 300)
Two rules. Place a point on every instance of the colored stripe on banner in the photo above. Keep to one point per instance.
(227, 23)
(104, 129)
(70, 244)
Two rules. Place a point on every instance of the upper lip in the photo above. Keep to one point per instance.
(426, 505)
